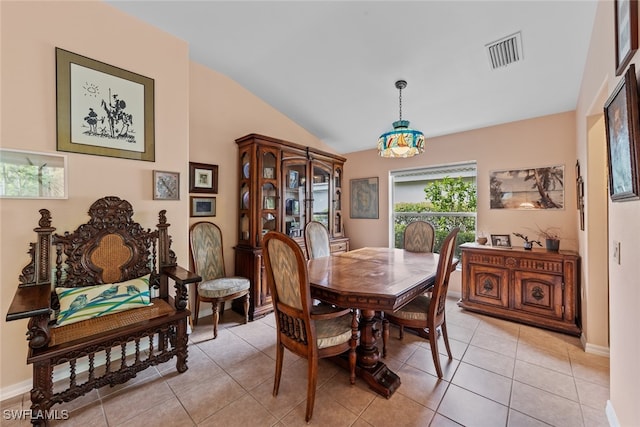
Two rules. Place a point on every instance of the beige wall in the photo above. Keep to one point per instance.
(30, 33)
(543, 141)
(624, 292)
(222, 111)
(199, 114)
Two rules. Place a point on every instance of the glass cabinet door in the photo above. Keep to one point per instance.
(269, 195)
(337, 202)
(245, 194)
(321, 196)
(295, 197)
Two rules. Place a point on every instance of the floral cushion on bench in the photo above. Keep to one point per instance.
(77, 304)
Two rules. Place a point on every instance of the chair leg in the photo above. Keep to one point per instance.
(385, 335)
(181, 344)
(401, 332)
(279, 358)
(354, 345)
(246, 308)
(311, 385)
(445, 336)
(433, 343)
(216, 317)
(197, 310)
(41, 392)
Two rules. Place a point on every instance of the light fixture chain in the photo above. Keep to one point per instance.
(400, 102)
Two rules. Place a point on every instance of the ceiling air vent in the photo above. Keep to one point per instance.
(505, 51)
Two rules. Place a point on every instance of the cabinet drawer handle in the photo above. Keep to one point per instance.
(537, 293)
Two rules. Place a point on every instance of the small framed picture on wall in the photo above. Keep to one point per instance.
(203, 178)
(203, 206)
(166, 185)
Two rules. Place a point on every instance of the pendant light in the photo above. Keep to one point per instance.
(402, 141)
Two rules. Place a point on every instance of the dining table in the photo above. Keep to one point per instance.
(372, 279)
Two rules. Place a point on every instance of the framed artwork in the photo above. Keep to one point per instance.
(269, 202)
(203, 206)
(623, 129)
(527, 188)
(32, 175)
(166, 185)
(501, 240)
(626, 25)
(293, 179)
(102, 109)
(580, 194)
(203, 178)
(364, 198)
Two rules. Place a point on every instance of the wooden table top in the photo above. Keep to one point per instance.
(372, 278)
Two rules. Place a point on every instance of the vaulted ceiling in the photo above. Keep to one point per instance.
(331, 65)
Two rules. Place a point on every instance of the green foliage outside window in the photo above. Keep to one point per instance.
(31, 175)
(444, 198)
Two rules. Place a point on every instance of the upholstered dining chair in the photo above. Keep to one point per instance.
(205, 244)
(426, 313)
(308, 335)
(316, 240)
(419, 237)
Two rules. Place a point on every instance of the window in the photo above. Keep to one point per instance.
(444, 195)
(25, 174)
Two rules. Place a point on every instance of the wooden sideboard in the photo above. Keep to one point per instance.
(536, 287)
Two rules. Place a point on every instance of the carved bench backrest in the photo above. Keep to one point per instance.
(110, 248)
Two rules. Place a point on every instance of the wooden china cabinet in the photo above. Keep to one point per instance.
(283, 186)
(537, 287)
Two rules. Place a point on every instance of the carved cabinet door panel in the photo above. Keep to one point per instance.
(489, 285)
(538, 293)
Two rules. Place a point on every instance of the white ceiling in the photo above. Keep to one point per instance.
(331, 66)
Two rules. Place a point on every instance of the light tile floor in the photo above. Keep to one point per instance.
(502, 374)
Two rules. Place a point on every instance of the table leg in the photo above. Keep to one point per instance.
(369, 367)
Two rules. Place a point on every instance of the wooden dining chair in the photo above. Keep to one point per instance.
(419, 236)
(205, 246)
(316, 240)
(426, 313)
(304, 333)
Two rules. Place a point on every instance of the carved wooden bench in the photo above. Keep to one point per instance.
(105, 262)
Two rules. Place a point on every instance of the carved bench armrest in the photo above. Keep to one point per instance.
(30, 301)
(182, 277)
(33, 302)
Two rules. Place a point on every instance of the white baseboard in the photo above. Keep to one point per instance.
(611, 415)
(15, 389)
(454, 294)
(62, 371)
(592, 348)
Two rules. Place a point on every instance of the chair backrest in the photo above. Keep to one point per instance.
(205, 245)
(316, 239)
(441, 284)
(287, 277)
(419, 237)
(111, 247)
